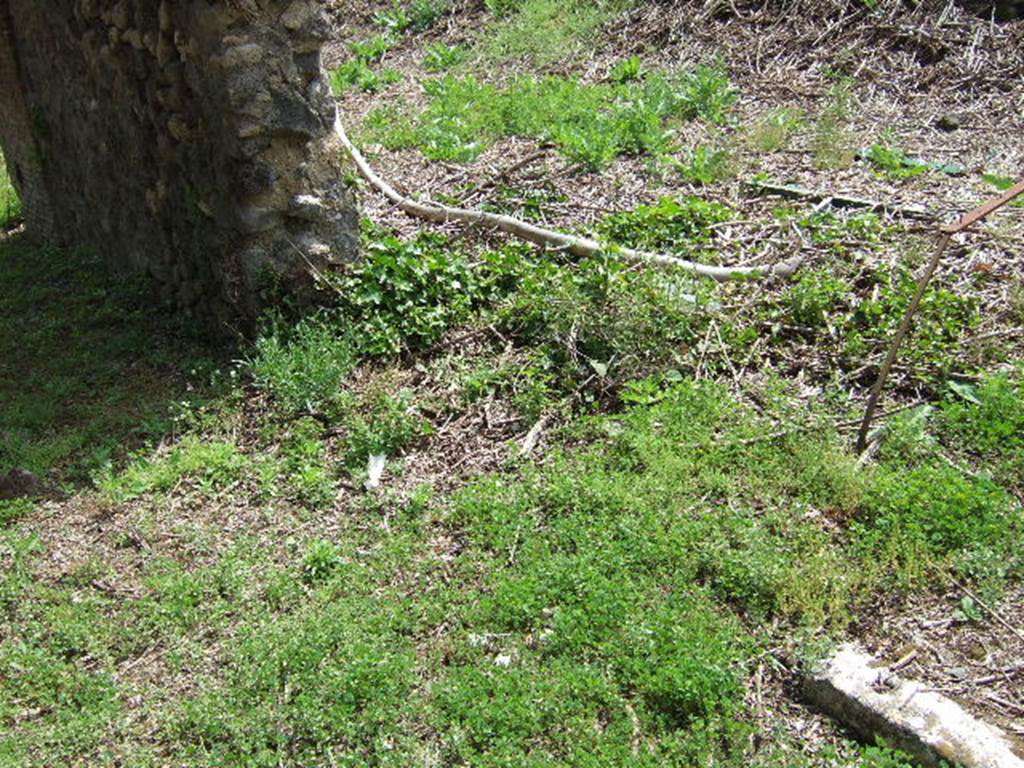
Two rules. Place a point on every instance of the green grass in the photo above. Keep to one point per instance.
(229, 595)
(832, 138)
(607, 604)
(86, 368)
(849, 313)
(412, 15)
(708, 165)
(543, 32)
(403, 296)
(304, 366)
(590, 326)
(590, 124)
(40, 660)
(944, 316)
(772, 132)
(597, 324)
(358, 71)
(594, 327)
(345, 675)
(10, 203)
(441, 57)
(301, 471)
(361, 71)
(211, 465)
(987, 422)
(671, 225)
(385, 424)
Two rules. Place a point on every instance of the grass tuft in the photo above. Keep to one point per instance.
(590, 124)
(358, 71)
(10, 203)
(543, 32)
(212, 466)
(832, 140)
(304, 368)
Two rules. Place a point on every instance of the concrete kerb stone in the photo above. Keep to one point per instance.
(867, 696)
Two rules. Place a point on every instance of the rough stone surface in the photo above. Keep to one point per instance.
(16, 138)
(870, 698)
(186, 140)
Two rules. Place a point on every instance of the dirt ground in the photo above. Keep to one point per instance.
(916, 73)
(912, 69)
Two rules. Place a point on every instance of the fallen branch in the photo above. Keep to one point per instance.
(795, 429)
(897, 339)
(839, 201)
(1003, 674)
(1005, 333)
(548, 238)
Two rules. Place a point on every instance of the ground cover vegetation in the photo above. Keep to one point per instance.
(10, 204)
(590, 124)
(619, 508)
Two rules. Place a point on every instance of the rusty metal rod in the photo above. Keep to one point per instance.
(982, 211)
(946, 233)
(894, 347)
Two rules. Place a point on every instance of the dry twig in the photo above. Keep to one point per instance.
(549, 238)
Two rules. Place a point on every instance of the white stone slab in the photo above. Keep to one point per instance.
(867, 696)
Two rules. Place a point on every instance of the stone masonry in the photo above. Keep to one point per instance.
(190, 140)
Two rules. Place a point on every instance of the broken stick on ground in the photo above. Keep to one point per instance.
(549, 238)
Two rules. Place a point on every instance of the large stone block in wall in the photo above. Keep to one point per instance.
(187, 139)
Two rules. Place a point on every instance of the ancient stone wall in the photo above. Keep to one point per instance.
(188, 139)
(16, 140)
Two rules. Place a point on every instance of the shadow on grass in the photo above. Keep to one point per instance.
(89, 370)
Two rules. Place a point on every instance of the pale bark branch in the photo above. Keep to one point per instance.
(548, 238)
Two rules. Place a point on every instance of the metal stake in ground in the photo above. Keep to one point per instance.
(945, 235)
